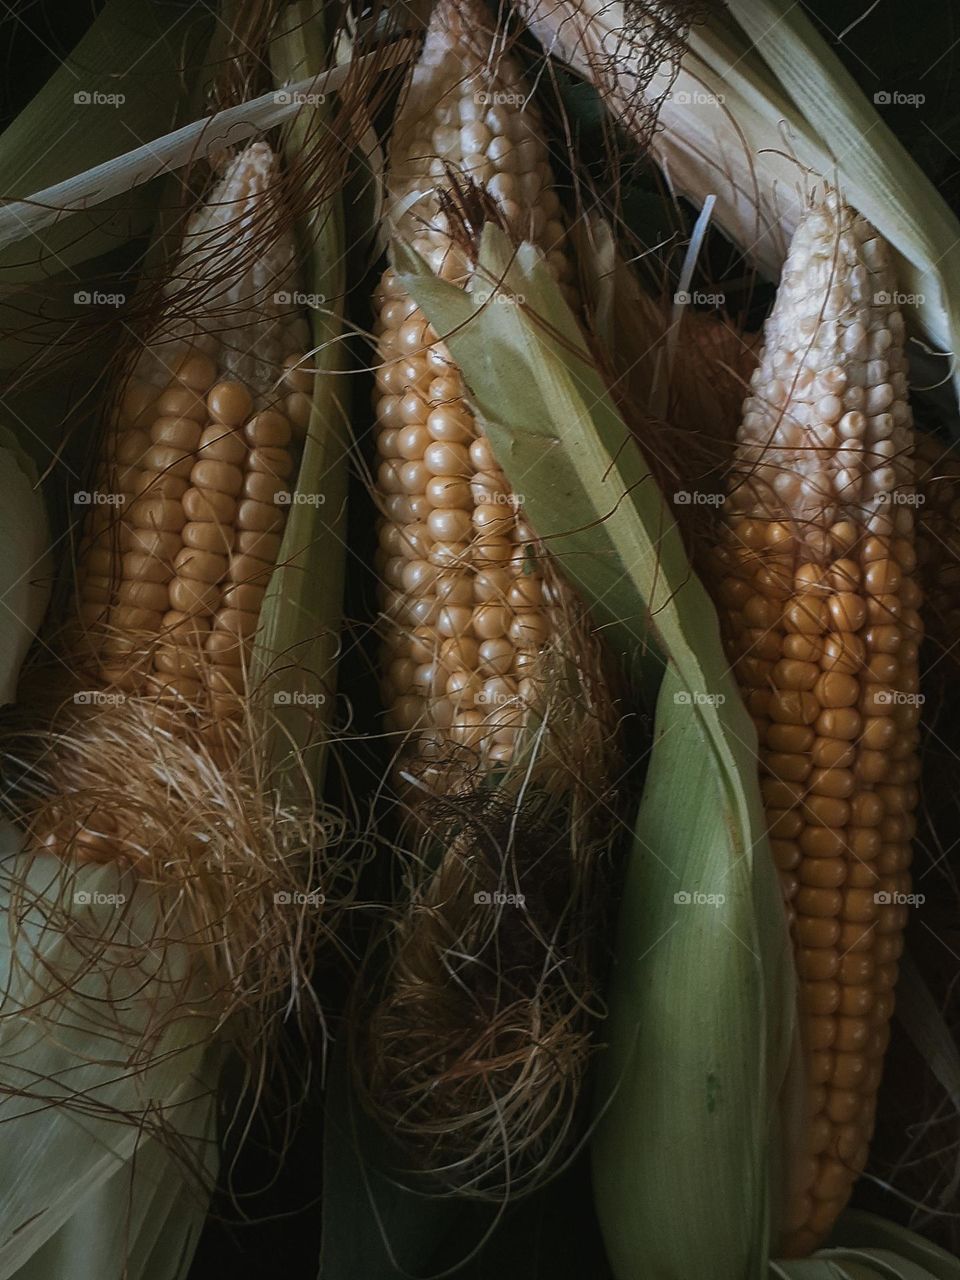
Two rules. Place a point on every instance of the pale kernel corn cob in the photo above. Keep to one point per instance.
(467, 604)
(199, 461)
(820, 607)
(192, 491)
(475, 1053)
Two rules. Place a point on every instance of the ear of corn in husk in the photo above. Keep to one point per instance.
(154, 769)
(820, 605)
(700, 997)
(750, 115)
(475, 1053)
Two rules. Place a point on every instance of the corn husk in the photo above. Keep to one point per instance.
(700, 1024)
(756, 116)
(110, 1042)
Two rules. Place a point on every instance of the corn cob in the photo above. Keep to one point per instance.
(480, 637)
(820, 608)
(198, 460)
(467, 602)
(157, 760)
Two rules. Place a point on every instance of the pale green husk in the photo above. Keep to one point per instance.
(298, 640)
(87, 1176)
(701, 997)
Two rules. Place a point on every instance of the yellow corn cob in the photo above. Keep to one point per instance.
(190, 497)
(475, 1054)
(467, 603)
(821, 611)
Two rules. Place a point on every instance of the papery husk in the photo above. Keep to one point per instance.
(759, 116)
(700, 1029)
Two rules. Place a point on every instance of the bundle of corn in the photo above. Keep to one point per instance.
(152, 753)
(820, 606)
(476, 1051)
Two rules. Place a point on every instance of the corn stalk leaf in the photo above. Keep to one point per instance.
(701, 997)
(298, 640)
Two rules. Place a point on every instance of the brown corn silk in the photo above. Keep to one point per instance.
(490, 672)
(190, 496)
(820, 609)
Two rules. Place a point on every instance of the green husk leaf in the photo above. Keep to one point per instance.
(298, 640)
(878, 174)
(142, 50)
(85, 1179)
(701, 997)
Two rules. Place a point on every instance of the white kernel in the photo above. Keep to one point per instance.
(879, 398)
